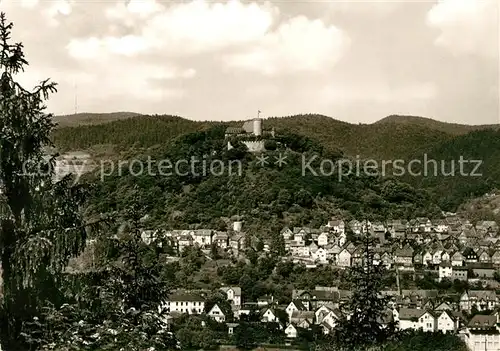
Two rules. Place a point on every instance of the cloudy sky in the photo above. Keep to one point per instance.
(356, 61)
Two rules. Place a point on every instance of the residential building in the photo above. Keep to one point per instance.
(184, 302)
(217, 314)
(233, 294)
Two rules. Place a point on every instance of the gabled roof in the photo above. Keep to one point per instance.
(482, 294)
(236, 289)
(411, 313)
(185, 296)
(299, 305)
(483, 321)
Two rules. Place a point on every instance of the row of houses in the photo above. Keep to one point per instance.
(410, 309)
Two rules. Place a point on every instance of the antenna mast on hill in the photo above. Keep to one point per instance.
(76, 99)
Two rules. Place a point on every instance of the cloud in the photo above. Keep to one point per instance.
(297, 45)
(466, 26)
(250, 34)
(182, 28)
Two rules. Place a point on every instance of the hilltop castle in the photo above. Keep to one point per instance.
(251, 129)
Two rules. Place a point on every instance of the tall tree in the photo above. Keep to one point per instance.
(365, 318)
(40, 222)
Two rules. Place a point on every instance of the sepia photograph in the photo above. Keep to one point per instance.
(280, 175)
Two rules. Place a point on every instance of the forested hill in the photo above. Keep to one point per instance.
(79, 119)
(450, 128)
(386, 140)
(265, 197)
(379, 140)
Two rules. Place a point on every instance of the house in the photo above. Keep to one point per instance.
(217, 314)
(294, 306)
(443, 306)
(482, 334)
(397, 228)
(268, 315)
(203, 237)
(480, 299)
(417, 258)
(336, 226)
(421, 224)
(404, 256)
(184, 302)
(233, 294)
(291, 331)
(327, 315)
(237, 242)
(387, 260)
(427, 258)
(221, 239)
(470, 255)
(286, 233)
(457, 259)
(311, 299)
(447, 322)
(484, 257)
(231, 327)
(445, 271)
(495, 258)
(323, 239)
(440, 226)
(355, 226)
(303, 319)
(411, 318)
(184, 241)
(344, 258)
(437, 256)
(300, 234)
(459, 273)
(265, 300)
(320, 255)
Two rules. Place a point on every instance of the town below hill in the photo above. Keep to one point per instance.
(442, 276)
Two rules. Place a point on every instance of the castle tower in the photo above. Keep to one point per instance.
(257, 127)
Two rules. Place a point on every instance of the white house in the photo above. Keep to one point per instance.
(481, 299)
(445, 271)
(217, 314)
(410, 318)
(446, 322)
(344, 258)
(291, 331)
(294, 306)
(233, 294)
(268, 315)
(203, 237)
(184, 303)
(320, 255)
(323, 239)
(327, 316)
(482, 334)
(337, 226)
(427, 258)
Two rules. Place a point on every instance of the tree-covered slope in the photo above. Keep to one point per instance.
(480, 172)
(79, 119)
(139, 131)
(379, 141)
(265, 197)
(450, 128)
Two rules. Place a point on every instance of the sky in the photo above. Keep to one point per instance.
(356, 61)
